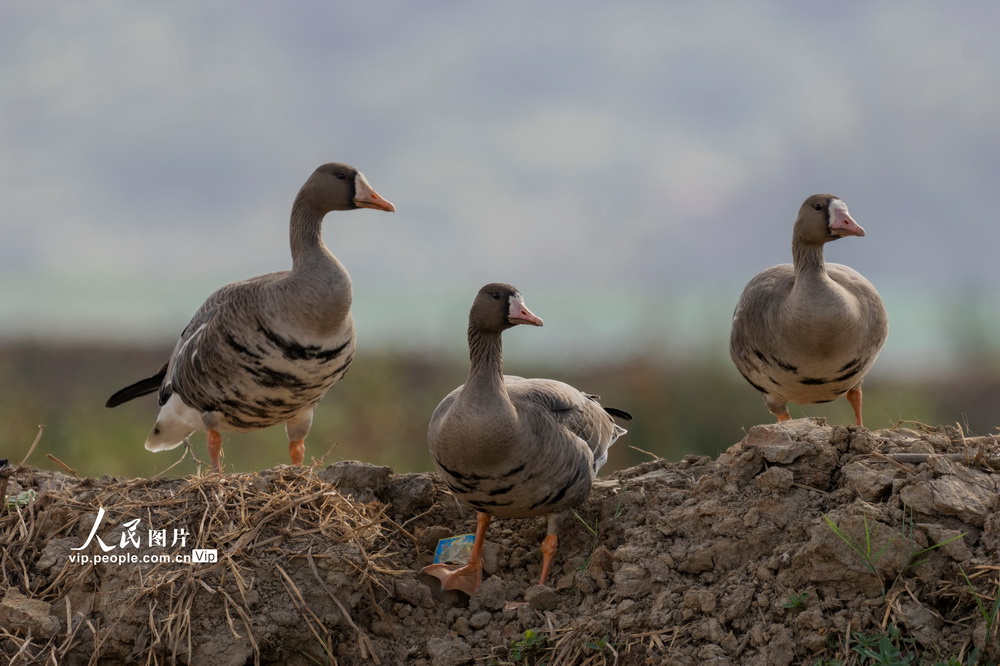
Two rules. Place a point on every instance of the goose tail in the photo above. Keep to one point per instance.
(618, 413)
(139, 389)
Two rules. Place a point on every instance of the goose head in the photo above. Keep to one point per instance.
(340, 187)
(823, 218)
(498, 307)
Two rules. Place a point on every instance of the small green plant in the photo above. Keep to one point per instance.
(796, 601)
(595, 532)
(620, 506)
(989, 615)
(601, 644)
(325, 648)
(883, 650)
(908, 530)
(928, 549)
(532, 644)
(869, 557)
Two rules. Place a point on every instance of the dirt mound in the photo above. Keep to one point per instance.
(802, 543)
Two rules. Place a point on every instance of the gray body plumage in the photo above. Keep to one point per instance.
(514, 447)
(265, 351)
(249, 359)
(808, 332)
(537, 455)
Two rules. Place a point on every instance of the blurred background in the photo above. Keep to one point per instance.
(629, 166)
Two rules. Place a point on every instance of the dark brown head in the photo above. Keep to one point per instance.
(498, 307)
(823, 218)
(340, 187)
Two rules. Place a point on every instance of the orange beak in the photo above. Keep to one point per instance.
(366, 197)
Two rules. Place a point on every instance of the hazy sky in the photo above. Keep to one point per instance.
(587, 152)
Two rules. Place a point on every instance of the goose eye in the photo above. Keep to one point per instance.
(818, 206)
(342, 176)
(495, 295)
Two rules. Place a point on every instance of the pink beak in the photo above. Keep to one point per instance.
(366, 197)
(520, 314)
(841, 222)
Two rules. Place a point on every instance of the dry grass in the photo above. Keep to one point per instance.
(285, 517)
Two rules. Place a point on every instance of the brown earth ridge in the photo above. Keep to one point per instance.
(800, 544)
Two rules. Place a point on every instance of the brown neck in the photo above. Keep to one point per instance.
(306, 236)
(808, 258)
(485, 360)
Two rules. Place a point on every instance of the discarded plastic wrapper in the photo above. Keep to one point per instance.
(454, 550)
(21, 499)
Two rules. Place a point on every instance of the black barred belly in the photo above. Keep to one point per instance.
(277, 379)
(803, 386)
(522, 490)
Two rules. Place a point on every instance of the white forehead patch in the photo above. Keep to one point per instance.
(836, 205)
(515, 303)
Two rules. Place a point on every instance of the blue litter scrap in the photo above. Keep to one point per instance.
(454, 550)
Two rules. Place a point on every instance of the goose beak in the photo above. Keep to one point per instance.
(373, 200)
(520, 314)
(841, 222)
(366, 197)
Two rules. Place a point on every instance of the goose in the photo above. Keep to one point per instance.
(265, 351)
(512, 447)
(809, 332)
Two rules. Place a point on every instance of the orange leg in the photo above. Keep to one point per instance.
(297, 450)
(468, 577)
(548, 551)
(854, 397)
(214, 449)
(778, 407)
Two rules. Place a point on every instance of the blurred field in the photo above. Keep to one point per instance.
(379, 412)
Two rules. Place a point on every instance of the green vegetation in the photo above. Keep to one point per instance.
(866, 549)
(888, 649)
(529, 647)
(990, 614)
(595, 531)
(893, 648)
(869, 557)
(796, 601)
(599, 644)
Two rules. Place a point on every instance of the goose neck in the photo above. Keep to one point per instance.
(306, 234)
(808, 259)
(486, 361)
